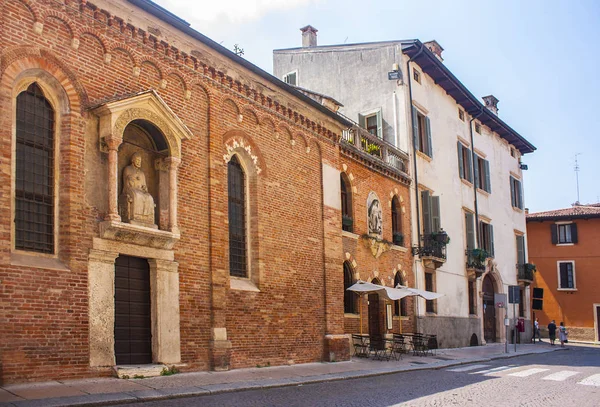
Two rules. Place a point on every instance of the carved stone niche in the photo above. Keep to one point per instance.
(374, 218)
(142, 137)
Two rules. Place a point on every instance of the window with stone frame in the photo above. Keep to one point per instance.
(465, 168)
(471, 289)
(397, 235)
(350, 306)
(346, 197)
(400, 306)
(429, 286)
(566, 275)
(486, 237)
(422, 132)
(34, 176)
(236, 181)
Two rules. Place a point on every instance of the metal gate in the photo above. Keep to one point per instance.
(133, 335)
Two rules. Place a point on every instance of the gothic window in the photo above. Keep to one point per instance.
(237, 218)
(397, 236)
(347, 221)
(34, 184)
(400, 307)
(349, 296)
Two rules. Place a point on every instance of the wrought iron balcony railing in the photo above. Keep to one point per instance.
(476, 259)
(525, 272)
(431, 246)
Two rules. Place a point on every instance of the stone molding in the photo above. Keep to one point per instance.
(138, 235)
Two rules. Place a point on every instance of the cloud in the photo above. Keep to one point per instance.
(235, 11)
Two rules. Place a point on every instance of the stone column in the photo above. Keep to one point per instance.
(173, 165)
(164, 292)
(101, 292)
(113, 143)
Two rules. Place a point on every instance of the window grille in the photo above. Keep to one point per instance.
(237, 219)
(34, 183)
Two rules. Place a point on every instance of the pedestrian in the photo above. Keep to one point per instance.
(563, 334)
(536, 330)
(552, 332)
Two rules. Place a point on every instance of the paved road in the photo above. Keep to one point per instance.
(569, 378)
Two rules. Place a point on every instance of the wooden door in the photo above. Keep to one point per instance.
(489, 311)
(374, 319)
(598, 322)
(133, 335)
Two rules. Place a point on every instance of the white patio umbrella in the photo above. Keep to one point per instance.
(363, 287)
(428, 295)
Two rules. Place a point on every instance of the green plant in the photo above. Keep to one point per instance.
(125, 376)
(168, 371)
(139, 376)
(530, 267)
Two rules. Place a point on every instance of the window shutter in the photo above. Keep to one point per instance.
(491, 237)
(461, 169)
(379, 124)
(470, 231)
(362, 121)
(415, 122)
(554, 233)
(564, 275)
(574, 232)
(426, 205)
(436, 221)
(512, 191)
(520, 194)
(428, 132)
(488, 183)
(469, 170)
(476, 181)
(520, 249)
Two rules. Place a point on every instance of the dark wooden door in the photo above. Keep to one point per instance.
(374, 322)
(133, 335)
(489, 311)
(598, 322)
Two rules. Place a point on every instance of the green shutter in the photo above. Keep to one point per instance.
(429, 149)
(520, 249)
(554, 233)
(488, 183)
(470, 230)
(415, 123)
(513, 200)
(491, 237)
(426, 205)
(574, 232)
(461, 169)
(476, 165)
(436, 220)
(362, 121)
(520, 194)
(379, 124)
(470, 166)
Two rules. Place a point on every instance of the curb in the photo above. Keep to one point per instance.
(108, 399)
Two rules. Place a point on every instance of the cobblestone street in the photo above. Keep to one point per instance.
(570, 378)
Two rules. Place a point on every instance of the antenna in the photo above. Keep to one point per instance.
(576, 169)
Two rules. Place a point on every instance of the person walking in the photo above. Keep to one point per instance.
(552, 332)
(563, 334)
(536, 330)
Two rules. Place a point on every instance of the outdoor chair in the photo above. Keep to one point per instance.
(361, 346)
(419, 345)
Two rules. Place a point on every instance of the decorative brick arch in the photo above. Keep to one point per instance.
(238, 142)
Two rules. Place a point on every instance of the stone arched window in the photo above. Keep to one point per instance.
(397, 235)
(349, 296)
(346, 196)
(400, 307)
(34, 176)
(238, 248)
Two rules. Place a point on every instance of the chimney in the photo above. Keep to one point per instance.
(434, 47)
(491, 103)
(309, 36)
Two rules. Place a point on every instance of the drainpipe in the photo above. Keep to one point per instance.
(412, 126)
(473, 171)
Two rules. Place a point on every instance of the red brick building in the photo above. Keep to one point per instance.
(564, 245)
(165, 202)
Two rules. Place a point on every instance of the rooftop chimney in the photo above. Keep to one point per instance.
(491, 103)
(309, 36)
(436, 48)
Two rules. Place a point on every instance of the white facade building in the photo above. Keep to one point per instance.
(466, 167)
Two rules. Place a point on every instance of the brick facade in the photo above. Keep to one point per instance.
(85, 56)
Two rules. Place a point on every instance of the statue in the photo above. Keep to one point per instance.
(375, 217)
(136, 204)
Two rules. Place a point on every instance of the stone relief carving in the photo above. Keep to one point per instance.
(135, 202)
(374, 214)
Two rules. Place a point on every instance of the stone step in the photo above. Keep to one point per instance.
(139, 371)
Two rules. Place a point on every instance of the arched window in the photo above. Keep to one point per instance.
(34, 183)
(236, 181)
(400, 307)
(349, 296)
(347, 221)
(397, 235)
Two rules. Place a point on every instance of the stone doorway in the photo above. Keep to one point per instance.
(489, 310)
(133, 334)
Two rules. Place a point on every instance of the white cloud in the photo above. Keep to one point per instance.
(235, 11)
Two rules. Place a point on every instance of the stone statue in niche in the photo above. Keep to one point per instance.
(374, 214)
(136, 204)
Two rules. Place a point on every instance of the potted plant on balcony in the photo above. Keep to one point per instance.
(530, 268)
(478, 258)
(441, 237)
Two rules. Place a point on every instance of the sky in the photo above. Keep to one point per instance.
(541, 59)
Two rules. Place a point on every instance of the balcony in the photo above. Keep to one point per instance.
(476, 260)
(432, 249)
(383, 156)
(525, 273)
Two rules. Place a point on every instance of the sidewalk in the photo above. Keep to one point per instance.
(107, 391)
